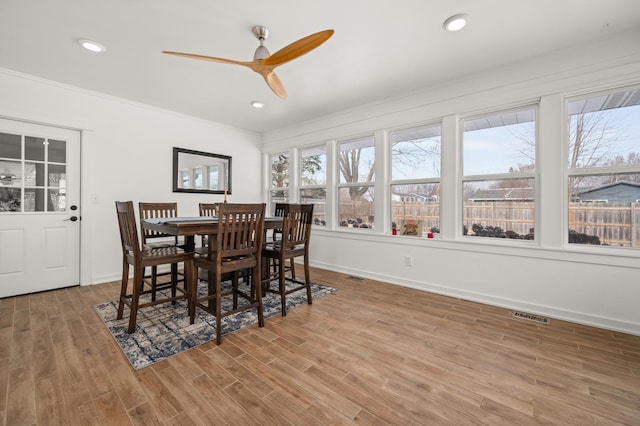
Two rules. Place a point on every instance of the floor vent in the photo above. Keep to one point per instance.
(532, 317)
(353, 277)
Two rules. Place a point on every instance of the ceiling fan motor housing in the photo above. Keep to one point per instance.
(261, 34)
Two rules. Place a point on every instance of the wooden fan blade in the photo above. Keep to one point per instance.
(209, 58)
(275, 84)
(297, 48)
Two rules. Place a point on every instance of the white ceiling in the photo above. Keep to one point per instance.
(380, 49)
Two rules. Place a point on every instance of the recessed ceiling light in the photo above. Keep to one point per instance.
(92, 45)
(456, 22)
(257, 104)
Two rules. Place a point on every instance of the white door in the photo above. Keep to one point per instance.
(39, 207)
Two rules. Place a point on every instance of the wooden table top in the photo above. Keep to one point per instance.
(197, 225)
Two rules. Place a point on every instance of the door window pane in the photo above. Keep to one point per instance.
(34, 148)
(34, 200)
(10, 146)
(56, 200)
(10, 172)
(34, 174)
(57, 151)
(57, 174)
(10, 199)
(41, 173)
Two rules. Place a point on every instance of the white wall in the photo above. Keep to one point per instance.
(593, 286)
(127, 155)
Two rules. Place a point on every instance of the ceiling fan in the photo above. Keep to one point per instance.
(263, 62)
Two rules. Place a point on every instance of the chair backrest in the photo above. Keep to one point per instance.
(240, 228)
(280, 211)
(208, 209)
(128, 230)
(156, 210)
(296, 225)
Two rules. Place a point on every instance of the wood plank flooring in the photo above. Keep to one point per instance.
(371, 354)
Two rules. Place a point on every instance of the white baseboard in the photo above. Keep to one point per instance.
(554, 313)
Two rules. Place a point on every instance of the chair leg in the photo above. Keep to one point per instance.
(293, 268)
(135, 297)
(307, 279)
(191, 287)
(174, 281)
(282, 286)
(123, 287)
(234, 290)
(154, 282)
(218, 289)
(211, 289)
(256, 279)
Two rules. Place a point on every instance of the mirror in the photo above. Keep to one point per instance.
(204, 172)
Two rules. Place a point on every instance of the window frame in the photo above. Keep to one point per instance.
(486, 177)
(412, 181)
(339, 185)
(594, 171)
(302, 187)
(284, 189)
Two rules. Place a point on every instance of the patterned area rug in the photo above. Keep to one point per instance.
(163, 330)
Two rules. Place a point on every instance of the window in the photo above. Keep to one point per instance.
(499, 175)
(313, 181)
(279, 189)
(355, 189)
(214, 177)
(198, 178)
(33, 174)
(415, 181)
(604, 169)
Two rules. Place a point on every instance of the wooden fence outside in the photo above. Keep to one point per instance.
(613, 223)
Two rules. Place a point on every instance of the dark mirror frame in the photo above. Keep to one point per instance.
(181, 153)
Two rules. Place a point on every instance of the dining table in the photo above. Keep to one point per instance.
(189, 227)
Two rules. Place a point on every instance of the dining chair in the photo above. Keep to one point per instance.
(207, 209)
(279, 211)
(234, 247)
(156, 239)
(294, 242)
(139, 258)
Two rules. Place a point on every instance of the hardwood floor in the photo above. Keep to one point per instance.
(370, 353)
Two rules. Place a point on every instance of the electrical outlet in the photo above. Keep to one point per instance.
(408, 261)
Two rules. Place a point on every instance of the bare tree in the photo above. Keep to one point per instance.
(280, 170)
(350, 169)
(592, 142)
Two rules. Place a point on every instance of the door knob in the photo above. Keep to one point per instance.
(72, 218)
